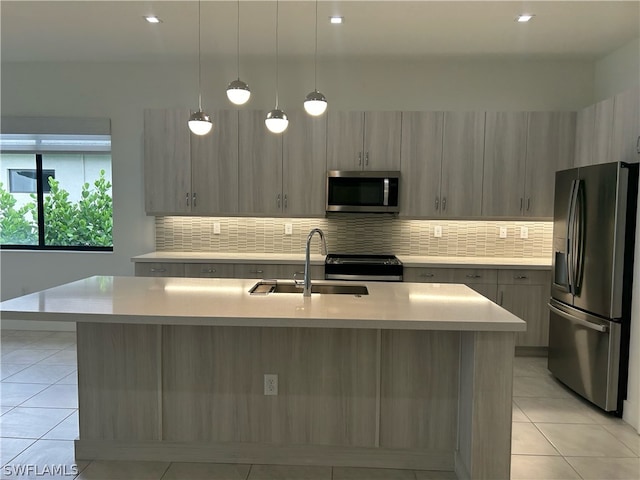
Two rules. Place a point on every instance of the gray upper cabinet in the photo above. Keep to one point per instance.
(462, 159)
(214, 167)
(522, 153)
(504, 164)
(625, 146)
(304, 165)
(363, 140)
(584, 135)
(421, 163)
(594, 134)
(550, 147)
(167, 161)
(260, 166)
(186, 173)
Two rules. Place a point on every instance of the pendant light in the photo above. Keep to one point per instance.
(200, 122)
(276, 121)
(238, 91)
(316, 103)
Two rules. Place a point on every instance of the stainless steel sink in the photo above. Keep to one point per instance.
(267, 287)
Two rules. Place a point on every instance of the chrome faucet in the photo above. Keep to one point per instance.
(306, 292)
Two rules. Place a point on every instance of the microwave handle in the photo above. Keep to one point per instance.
(385, 194)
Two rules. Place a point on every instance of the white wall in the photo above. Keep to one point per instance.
(615, 73)
(122, 91)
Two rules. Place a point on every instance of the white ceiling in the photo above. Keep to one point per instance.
(115, 30)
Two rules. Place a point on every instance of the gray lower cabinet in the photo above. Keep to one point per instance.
(209, 270)
(160, 269)
(483, 281)
(525, 293)
(268, 271)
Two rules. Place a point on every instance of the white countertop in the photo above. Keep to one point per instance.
(316, 259)
(213, 301)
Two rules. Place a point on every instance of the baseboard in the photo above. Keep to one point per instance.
(253, 453)
(630, 414)
(37, 325)
(532, 351)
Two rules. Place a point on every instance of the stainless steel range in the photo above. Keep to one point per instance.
(381, 268)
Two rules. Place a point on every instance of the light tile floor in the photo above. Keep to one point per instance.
(556, 435)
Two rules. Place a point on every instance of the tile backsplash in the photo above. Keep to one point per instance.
(355, 234)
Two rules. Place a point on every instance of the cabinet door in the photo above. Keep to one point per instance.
(625, 146)
(525, 302)
(345, 136)
(462, 158)
(159, 269)
(584, 135)
(167, 161)
(421, 163)
(550, 147)
(276, 271)
(214, 164)
(304, 165)
(504, 164)
(260, 166)
(603, 132)
(382, 137)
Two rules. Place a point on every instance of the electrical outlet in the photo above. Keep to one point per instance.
(503, 232)
(524, 232)
(216, 228)
(437, 231)
(288, 229)
(270, 384)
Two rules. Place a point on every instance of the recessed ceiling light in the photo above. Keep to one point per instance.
(525, 17)
(336, 20)
(152, 19)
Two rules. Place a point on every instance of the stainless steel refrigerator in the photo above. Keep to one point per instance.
(590, 306)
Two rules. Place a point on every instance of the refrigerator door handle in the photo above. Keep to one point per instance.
(570, 237)
(584, 323)
(580, 232)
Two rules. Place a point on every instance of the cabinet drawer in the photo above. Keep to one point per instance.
(144, 269)
(209, 270)
(286, 271)
(428, 275)
(470, 276)
(524, 277)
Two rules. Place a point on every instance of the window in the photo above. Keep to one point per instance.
(55, 191)
(24, 180)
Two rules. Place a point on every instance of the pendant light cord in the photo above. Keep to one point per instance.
(238, 41)
(277, 16)
(315, 57)
(199, 64)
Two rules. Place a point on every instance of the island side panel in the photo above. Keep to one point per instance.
(119, 381)
(213, 385)
(419, 391)
(485, 407)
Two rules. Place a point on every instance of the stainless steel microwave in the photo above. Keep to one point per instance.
(363, 191)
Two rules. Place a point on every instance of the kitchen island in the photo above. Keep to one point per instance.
(411, 375)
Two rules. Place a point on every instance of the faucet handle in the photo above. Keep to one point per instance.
(298, 283)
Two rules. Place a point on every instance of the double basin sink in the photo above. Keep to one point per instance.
(265, 287)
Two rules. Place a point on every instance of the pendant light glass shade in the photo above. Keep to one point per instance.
(200, 123)
(238, 92)
(276, 121)
(315, 104)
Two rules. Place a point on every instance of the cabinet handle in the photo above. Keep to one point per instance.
(427, 275)
(638, 144)
(366, 159)
(157, 270)
(444, 203)
(520, 277)
(194, 199)
(437, 203)
(208, 270)
(256, 271)
(359, 159)
(528, 204)
(187, 199)
(285, 200)
(278, 201)
(472, 275)
(521, 201)
(501, 298)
